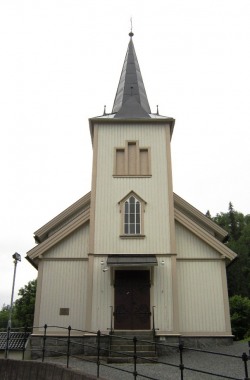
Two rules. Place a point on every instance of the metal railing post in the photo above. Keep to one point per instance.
(7, 343)
(44, 341)
(153, 317)
(24, 341)
(111, 320)
(111, 329)
(68, 346)
(98, 352)
(154, 329)
(245, 359)
(135, 357)
(181, 366)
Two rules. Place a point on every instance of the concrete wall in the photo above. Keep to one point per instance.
(23, 370)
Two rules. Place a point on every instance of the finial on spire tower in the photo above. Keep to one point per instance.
(131, 28)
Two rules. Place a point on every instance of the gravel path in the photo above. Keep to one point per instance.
(223, 365)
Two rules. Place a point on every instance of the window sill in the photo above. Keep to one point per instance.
(139, 236)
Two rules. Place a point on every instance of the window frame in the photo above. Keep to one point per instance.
(124, 221)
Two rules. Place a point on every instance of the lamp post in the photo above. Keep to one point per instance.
(16, 257)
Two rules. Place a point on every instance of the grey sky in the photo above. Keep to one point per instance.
(60, 62)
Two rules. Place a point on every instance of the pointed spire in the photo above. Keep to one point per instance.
(131, 93)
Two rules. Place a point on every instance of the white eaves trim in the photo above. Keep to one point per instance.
(65, 215)
(196, 215)
(59, 235)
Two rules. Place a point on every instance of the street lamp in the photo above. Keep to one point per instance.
(16, 258)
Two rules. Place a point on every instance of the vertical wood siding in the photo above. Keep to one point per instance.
(162, 295)
(200, 294)
(200, 287)
(102, 295)
(111, 190)
(64, 286)
(190, 246)
(73, 246)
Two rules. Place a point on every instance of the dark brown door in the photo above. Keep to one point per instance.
(132, 300)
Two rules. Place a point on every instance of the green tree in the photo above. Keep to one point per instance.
(4, 316)
(24, 306)
(240, 316)
(238, 272)
(232, 222)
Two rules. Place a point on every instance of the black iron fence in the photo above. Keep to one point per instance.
(101, 350)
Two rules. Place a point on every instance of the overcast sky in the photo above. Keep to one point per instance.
(60, 63)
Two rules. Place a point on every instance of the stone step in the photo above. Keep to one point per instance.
(130, 347)
(122, 347)
(133, 332)
(131, 335)
(130, 339)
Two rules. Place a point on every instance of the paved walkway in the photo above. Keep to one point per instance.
(224, 365)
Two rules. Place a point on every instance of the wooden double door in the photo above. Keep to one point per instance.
(132, 300)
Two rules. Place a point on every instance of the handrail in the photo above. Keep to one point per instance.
(111, 320)
(153, 327)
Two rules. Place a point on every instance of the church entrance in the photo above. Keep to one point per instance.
(132, 300)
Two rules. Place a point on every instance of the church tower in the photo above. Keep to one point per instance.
(132, 211)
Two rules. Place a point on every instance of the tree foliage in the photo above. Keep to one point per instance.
(4, 316)
(23, 308)
(238, 272)
(238, 227)
(240, 316)
(25, 305)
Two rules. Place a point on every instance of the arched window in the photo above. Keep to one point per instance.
(132, 208)
(132, 216)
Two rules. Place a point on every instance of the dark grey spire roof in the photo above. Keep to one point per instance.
(131, 98)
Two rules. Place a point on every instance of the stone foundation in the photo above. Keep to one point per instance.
(87, 345)
(169, 344)
(58, 345)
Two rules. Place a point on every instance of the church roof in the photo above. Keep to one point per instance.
(78, 214)
(131, 98)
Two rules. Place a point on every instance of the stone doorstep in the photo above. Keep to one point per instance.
(126, 341)
(145, 347)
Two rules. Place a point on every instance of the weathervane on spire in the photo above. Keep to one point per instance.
(131, 28)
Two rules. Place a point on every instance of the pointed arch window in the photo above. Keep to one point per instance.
(132, 216)
(132, 211)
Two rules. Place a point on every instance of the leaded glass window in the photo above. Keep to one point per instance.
(132, 216)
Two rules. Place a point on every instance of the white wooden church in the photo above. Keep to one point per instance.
(131, 245)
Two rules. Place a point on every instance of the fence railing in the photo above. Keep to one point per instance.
(100, 351)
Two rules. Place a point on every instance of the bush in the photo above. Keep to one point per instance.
(240, 316)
